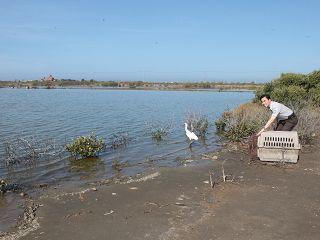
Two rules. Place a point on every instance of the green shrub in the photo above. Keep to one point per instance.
(241, 130)
(292, 87)
(289, 94)
(110, 84)
(242, 122)
(220, 125)
(313, 80)
(314, 95)
(3, 186)
(86, 146)
(159, 133)
(291, 79)
(159, 130)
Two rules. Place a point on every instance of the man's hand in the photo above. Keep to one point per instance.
(261, 131)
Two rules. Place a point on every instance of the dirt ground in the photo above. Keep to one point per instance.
(257, 201)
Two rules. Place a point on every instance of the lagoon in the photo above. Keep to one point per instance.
(64, 114)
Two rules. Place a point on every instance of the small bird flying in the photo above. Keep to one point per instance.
(190, 134)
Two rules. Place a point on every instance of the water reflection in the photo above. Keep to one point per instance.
(3, 201)
(11, 207)
(87, 167)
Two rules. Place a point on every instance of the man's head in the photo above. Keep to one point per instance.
(265, 100)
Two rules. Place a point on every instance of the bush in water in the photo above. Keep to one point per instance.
(86, 146)
(198, 123)
(159, 130)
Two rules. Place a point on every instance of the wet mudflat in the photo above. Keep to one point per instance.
(257, 201)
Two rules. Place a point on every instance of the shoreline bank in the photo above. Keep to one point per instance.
(258, 201)
(141, 88)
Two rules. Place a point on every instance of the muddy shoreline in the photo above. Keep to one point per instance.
(257, 201)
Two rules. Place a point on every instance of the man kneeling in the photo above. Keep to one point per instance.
(285, 117)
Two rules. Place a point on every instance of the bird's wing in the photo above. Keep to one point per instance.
(193, 136)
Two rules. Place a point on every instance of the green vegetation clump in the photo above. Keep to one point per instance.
(3, 186)
(159, 130)
(86, 146)
(242, 122)
(291, 88)
(110, 84)
(159, 134)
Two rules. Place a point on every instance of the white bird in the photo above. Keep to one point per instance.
(190, 134)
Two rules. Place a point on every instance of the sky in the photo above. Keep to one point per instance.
(158, 40)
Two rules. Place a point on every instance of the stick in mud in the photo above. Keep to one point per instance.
(223, 174)
(211, 182)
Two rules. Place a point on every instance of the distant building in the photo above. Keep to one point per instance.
(50, 78)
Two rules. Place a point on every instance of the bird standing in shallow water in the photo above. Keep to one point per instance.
(190, 134)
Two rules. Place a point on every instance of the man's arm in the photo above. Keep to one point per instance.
(268, 124)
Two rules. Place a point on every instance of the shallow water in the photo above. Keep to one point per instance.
(11, 210)
(63, 114)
